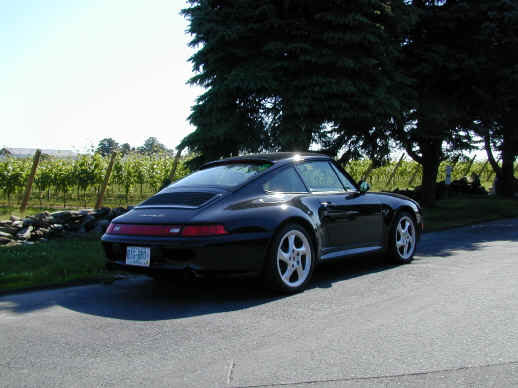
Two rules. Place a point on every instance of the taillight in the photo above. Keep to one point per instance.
(203, 230)
(144, 230)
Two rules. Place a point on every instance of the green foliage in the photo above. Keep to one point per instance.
(125, 149)
(64, 177)
(152, 147)
(107, 146)
(53, 262)
(492, 74)
(280, 75)
(13, 174)
(135, 177)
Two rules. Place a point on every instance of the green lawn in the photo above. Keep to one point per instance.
(81, 258)
(450, 213)
(53, 262)
(6, 212)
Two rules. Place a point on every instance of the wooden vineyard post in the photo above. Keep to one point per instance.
(30, 181)
(368, 171)
(100, 198)
(393, 174)
(483, 168)
(469, 166)
(414, 175)
(175, 164)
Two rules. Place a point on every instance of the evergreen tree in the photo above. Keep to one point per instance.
(282, 74)
(493, 76)
(435, 120)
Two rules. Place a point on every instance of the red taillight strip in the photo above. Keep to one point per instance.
(144, 230)
(203, 230)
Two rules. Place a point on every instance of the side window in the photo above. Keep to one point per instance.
(319, 176)
(346, 182)
(286, 181)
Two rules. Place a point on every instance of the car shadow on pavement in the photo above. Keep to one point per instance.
(468, 238)
(143, 299)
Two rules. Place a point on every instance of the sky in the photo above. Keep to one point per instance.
(75, 71)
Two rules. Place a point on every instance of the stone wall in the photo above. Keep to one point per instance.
(45, 226)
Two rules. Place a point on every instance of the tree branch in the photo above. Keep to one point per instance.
(490, 157)
(412, 153)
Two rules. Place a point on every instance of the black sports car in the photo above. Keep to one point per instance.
(278, 215)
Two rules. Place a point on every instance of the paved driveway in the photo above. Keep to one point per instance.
(450, 318)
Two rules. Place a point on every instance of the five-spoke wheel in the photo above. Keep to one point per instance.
(403, 238)
(291, 263)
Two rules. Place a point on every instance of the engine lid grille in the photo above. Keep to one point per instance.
(178, 199)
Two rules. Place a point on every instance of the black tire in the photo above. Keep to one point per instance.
(403, 239)
(296, 262)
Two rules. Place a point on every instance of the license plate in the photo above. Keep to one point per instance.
(138, 256)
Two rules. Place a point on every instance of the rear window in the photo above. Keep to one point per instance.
(227, 175)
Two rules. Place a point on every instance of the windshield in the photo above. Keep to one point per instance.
(227, 175)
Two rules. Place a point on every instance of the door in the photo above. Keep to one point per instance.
(349, 219)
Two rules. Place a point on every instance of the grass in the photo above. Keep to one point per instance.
(73, 259)
(450, 213)
(6, 212)
(51, 263)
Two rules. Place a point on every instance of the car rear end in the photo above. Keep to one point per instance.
(185, 227)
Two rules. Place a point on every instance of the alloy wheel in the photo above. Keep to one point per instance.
(293, 258)
(405, 238)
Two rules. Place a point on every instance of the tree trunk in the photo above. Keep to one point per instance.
(431, 159)
(506, 179)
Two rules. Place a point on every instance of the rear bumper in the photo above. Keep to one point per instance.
(244, 252)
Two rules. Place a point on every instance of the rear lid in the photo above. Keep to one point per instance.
(179, 199)
(171, 206)
(158, 216)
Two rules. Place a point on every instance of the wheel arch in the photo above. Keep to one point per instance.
(390, 222)
(308, 227)
(408, 209)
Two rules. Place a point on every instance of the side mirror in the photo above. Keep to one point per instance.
(364, 187)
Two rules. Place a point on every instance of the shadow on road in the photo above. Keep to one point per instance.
(469, 238)
(142, 299)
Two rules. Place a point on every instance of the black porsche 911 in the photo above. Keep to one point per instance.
(278, 215)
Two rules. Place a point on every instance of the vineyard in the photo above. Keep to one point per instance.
(76, 182)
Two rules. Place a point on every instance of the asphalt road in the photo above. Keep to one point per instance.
(448, 319)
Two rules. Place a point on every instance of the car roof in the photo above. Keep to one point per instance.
(274, 157)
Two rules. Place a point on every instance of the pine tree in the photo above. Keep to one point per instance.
(282, 74)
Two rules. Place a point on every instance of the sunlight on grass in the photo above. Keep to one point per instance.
(450, 213)
(52, 262)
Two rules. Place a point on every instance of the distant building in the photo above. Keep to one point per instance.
(21, 153)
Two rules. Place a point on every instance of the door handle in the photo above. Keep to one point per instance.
(326, 203)
(352, 213)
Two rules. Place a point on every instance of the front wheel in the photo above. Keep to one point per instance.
(291, 260)
(403, 239)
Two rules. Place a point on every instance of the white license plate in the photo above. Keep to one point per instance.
(138, 256)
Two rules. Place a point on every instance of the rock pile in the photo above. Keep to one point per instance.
(43, 226)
